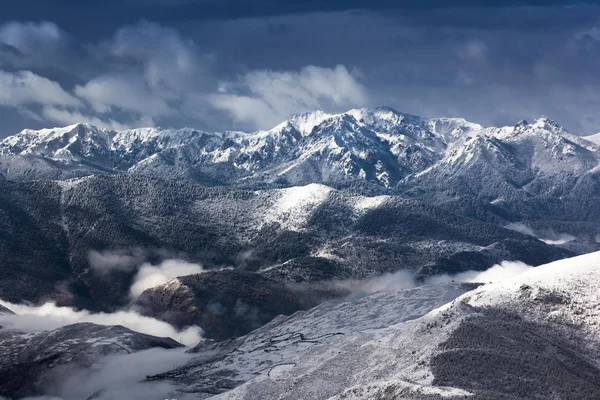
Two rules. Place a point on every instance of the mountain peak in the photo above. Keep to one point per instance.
(303, 123)
(306, 122)
(547, 124)
(521, 123)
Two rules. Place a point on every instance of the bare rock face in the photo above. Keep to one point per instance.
(30, 363)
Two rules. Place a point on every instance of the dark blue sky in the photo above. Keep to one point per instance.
(236, 64)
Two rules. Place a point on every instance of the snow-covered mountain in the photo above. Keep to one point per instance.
(277, 347)
(519, 161)
(533, 336)
(438, 159)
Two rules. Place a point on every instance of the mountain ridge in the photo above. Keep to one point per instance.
(86, 142)
(378, 145)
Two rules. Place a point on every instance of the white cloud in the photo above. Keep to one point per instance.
(110, 260)
(561, 238)
(68, 117)
(496, 273)
(169, 63)
(147, 72)
(121, 377)
(125, 92)
(521, 228)
(25, 87)
(157, 70)
(149, 275)
(143, 72)
(388, 282)
(42, 47)
(548, 236)
(273, 96)
(49, 316)
(404, 279)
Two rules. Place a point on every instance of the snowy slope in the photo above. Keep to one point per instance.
(534, 171)
(282, 344)
(302, 234)
(593, 138)
(534, 336)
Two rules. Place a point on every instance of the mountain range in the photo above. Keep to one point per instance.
(527, 171)
(380, 146)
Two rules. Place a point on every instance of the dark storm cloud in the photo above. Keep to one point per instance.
(90, 19)
(233, 64)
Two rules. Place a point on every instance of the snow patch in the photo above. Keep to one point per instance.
(363, 204)
(292, 206)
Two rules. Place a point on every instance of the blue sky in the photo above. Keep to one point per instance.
(235, 64)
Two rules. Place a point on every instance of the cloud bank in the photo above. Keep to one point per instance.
(49, 316)
(548, 236)
(496, 273)
(147, 275)
(24, 88)
(253, 72)
(104, 262)
(147, 72)
(404, 279)
(120, 377)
